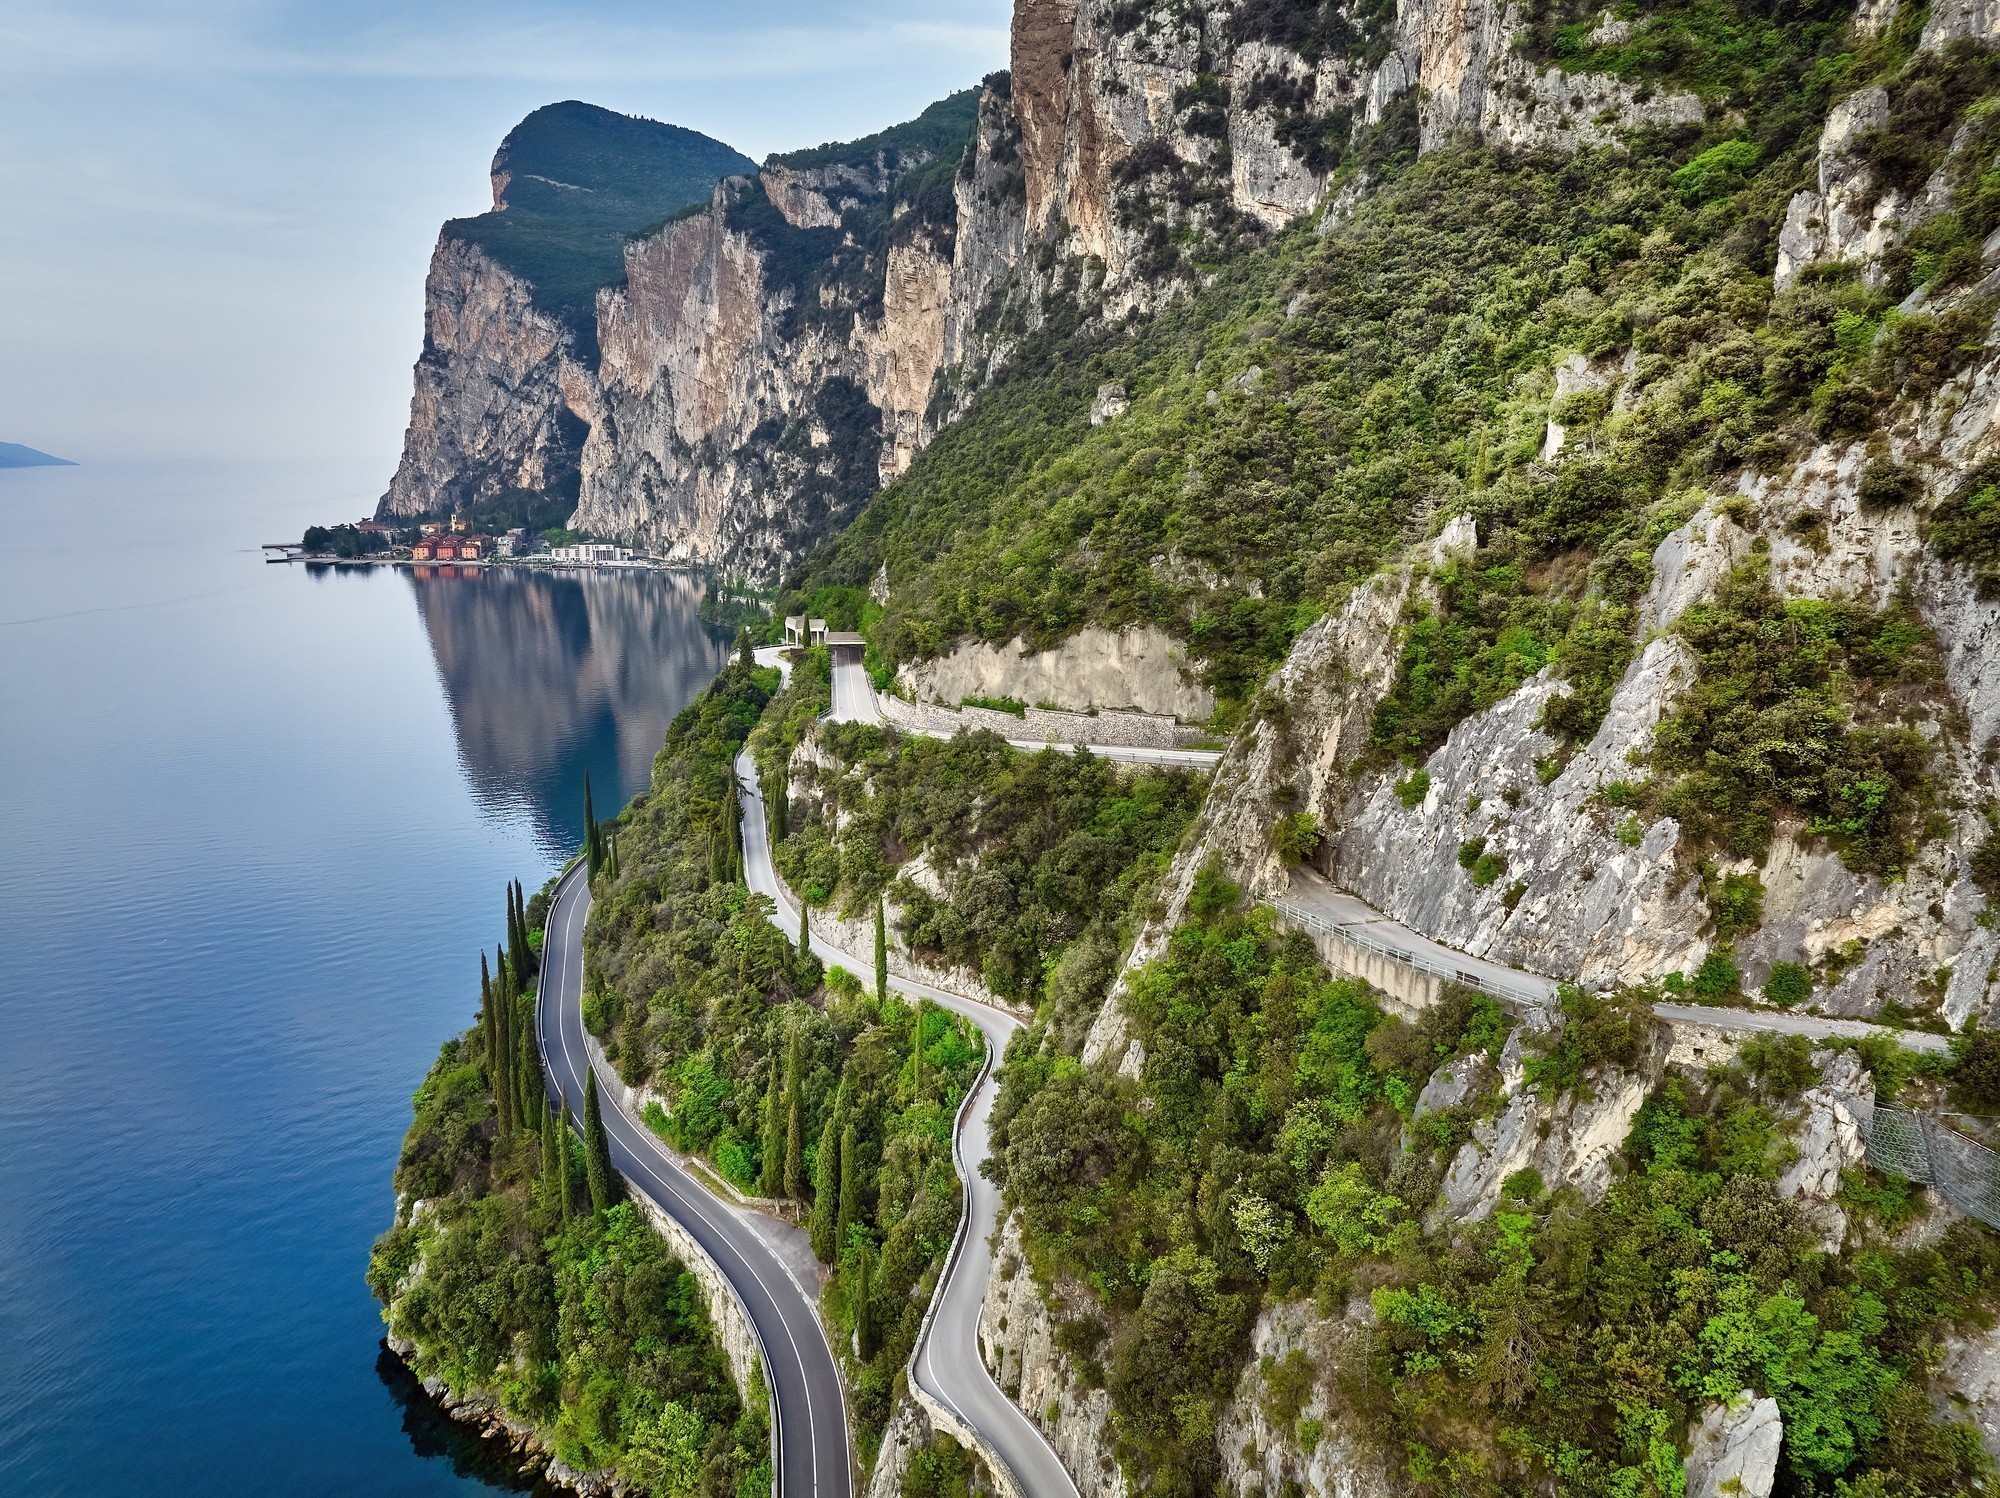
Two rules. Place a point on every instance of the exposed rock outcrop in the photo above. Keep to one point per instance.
(502, 394)
(1311, 1450)
(1570, 1140)
(1733, 1449)
(1971, 1372)
(1834, 1120)
(1017, 1327)
(1138, 667)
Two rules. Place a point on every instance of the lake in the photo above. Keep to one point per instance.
(256, 821)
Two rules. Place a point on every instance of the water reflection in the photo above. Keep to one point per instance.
(550, 674)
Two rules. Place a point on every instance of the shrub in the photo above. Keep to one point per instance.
(1788, 984)
(1296, 838)
(1718, 170)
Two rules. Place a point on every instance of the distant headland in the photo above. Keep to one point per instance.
(14, 455)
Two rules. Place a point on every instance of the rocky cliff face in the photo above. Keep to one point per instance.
(502, 395)
(769, 362)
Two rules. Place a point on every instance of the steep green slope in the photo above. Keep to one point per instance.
(940, 131)
(578, 182)
(1329, 399)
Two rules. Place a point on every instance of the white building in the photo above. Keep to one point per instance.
(589, 554)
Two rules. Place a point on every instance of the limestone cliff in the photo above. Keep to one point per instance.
(757, 368)
(502, 396)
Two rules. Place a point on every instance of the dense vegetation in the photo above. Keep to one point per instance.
(514, 1272)
(1031, 853)
(1805, 709)
(1327, 399)
(940, 131)
(793, 1082)
(580, 182)
(1271, 1148)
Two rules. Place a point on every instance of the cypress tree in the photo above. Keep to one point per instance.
(805, 927)
(551, 1172)
(864, 1310)
(826, 1189)
(795, 1126)
(745, 657)
(596, 1148)
(917, 1054)
(850, 1190)
(563, 1186)
(591, 849)
(530, 1068)
(513, 934)
(881, 952)
(486, 1019)
(503, 1028)
(521, 914)
(771, 1179)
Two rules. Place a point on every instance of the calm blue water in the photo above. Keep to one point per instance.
(254, 827)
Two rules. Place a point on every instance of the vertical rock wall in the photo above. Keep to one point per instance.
(741, 408)
(502, 396)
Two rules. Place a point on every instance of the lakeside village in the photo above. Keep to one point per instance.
(453, 543)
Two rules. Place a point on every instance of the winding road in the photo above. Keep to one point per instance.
(1323, 904)
(946, 1364)
(808, 1408)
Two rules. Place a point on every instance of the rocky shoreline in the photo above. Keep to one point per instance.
(528, 1444)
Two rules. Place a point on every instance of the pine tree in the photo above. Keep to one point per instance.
(881, 952)
(826, 1189)
(850, 1191)
(795, 1127)
(864, 1310)
(772, 1178)
(596, 1149)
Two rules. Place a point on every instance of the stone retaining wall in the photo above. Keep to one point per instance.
(732, 1322)
(1118, 730)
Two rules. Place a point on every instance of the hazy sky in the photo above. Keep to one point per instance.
(217, 215)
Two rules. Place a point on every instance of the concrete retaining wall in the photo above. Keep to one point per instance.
(1409, 991)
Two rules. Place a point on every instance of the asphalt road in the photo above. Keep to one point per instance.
(809, 1412)
(1335, 906)
(947, 1361)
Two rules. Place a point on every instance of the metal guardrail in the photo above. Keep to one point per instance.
(1919, 1147)
(1507, 993)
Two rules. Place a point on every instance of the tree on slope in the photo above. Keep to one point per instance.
(596, 1150)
